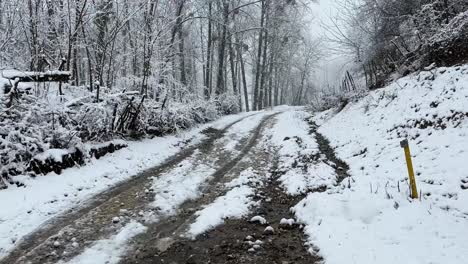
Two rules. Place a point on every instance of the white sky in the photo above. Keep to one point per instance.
(331, 67)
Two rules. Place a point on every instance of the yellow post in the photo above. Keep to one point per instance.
(414, 191)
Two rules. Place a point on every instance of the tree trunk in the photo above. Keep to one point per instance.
(208, 53)
(220, 88)
(244, 80)
(258, 69)
(233, 70)
(263, 94)
(183, 77)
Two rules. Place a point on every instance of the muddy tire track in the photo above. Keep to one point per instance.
(227, 243)
(231, 242)
(92, 218)
(341, 168)
(162, 235)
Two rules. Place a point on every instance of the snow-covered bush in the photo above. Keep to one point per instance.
(336, 100)
(227, 104)
(35, 124)
(449, 45)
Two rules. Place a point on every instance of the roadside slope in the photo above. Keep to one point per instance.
(369, 218)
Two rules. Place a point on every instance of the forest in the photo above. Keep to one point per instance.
(391, 39)
(166, 49)
(137, 68)
(233, 131)
(78, 71)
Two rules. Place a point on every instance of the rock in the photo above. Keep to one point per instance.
(56, 244)
(258, 219)
(115, 220)
(123, 211)
(287, 223)
(75, 244)
(192, 260)
(269, 230)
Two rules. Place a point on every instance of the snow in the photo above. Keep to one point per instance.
(53, 154)
(237, 131)
(45, 197)
(303, 168)
(366, 228)
(180, 184)
(3, 82)
(287, 222)
(269, 230)
(186, 181)
(297, 181)
(234, 204)
(288, 125)
(258, 219)
(375, 221)
(10, 74)
(110, 250)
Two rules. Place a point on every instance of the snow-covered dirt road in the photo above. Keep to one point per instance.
(163, 213)
(279, 186)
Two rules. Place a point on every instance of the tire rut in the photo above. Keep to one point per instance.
(341, 168)
(162, 235)
(232, 241)
(88, 222)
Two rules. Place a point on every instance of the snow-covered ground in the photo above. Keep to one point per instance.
(239, 130)
(185, 181)
(236, 203)
(180, 184)
(28, 208)
(374, 221)
(299, 160)
(110, 250)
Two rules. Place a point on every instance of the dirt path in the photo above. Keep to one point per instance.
(232, 242)
(165, 240)
(238, 240)
(91, 222)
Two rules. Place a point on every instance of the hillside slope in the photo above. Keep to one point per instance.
(369, 217)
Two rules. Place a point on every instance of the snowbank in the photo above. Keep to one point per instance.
(374, 221)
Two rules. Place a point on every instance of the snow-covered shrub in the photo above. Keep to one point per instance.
(34, 125)
(449, 45)
(228, 104)
(178, 116)
(336, 100)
